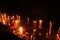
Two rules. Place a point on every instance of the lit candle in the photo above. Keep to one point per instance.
(20, 30)
(58, 37)
(14, 31)
(46, 35)
(4, 14)
(4, 22)
(28, 20)
(1, 15)
(9, 24)
(50, 28)
(31, 37)
(40, 34)
(12, 17)
(19, 18)
(8, 20)
(13, 21)
(34, 30)
(16, 24)
(34, 24)
(40, 24)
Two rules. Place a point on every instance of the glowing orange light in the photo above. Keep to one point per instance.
(58, 37)
(34, 24)
(40, 24)
(9, 24)
(14, 31)
(34, 30)
(17, 16)
(31, 37)
(34, 21)
(40, 21)
(12, 17)
(4, 22)
(16, 21)
(0, 19)
(50, 27)
(5, 14)
(40, 34)
(21, 30)
(50, 24)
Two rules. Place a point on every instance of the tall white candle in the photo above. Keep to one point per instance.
(50, 27)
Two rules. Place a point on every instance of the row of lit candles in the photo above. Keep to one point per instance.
(16, 21)
(8, 20)
(4, 18)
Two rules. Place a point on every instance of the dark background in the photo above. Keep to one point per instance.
(47, 11)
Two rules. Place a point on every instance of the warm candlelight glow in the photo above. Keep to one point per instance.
(12, 17)
(40, 34)
(47, 35)
(50, 24)
(40, 21)
(57, 35)
(34, 21)
(34, 24)
(50, 27)
(4, 22)
(58, 38)
(16, 21)
(5, 14)
(28, 20)
(34, 30)
(20, 30)
(40, 24)
(31, 37)
(30, 30)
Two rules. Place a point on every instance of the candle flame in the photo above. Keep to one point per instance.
(4, 22)
(40, 21)
(21, 30)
